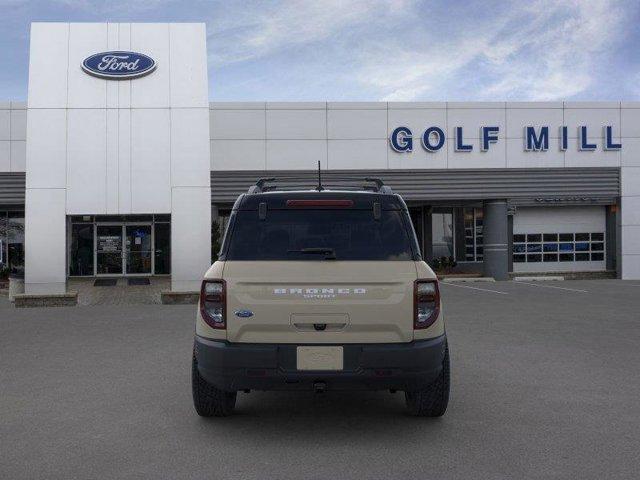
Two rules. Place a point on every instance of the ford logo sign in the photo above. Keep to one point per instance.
(243, 313)
(118, 65)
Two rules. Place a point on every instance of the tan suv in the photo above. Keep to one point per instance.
(320, 290)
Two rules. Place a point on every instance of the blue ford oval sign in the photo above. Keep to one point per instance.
(244, 313)
(118, 65)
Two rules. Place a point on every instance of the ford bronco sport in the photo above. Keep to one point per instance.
(318, 290)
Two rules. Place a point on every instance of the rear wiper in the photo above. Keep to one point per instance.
(330, 253)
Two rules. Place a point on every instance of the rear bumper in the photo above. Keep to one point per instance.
(400, 366)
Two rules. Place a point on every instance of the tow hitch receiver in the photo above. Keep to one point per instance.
(319, 387)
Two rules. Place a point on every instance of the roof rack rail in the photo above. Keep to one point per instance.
(262, 184)
(382, 188)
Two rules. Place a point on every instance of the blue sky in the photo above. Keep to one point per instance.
(378, 49)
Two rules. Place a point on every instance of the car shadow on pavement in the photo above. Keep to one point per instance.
(330, 416)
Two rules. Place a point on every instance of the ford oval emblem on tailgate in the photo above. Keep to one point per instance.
(244, 313)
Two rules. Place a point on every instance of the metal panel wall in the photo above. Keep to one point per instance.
(12, 188)
(521, 187)
(526, 186)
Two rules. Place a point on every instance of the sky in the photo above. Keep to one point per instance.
(377, 50)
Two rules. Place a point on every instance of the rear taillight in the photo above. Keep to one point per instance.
(213, 303)
(426, 305)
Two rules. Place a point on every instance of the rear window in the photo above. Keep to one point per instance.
(303, 234)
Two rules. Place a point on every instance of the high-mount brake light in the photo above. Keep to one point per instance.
(213, 303)
(426, 305)
(319, 203)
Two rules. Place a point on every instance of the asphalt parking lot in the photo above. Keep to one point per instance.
(545, 384)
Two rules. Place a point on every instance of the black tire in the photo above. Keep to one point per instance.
(433, 400)
(208, 400)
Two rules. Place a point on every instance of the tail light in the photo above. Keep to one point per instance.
(213, 303)
(426, 303)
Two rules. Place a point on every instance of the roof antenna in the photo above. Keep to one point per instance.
(320, 187)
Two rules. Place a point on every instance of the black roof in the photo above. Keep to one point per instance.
(362, 200)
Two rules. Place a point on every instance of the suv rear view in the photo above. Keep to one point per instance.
(318, 290)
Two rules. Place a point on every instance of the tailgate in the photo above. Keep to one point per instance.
(320, 301)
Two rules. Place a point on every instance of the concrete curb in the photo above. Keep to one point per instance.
(608, 274)
(468, 279)
(179, 298)
(24, 300)
(538, 279)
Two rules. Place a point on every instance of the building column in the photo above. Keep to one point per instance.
(45, 241)
(510, 214)
(190, 237)
(611, 238)
(629, 266)
(496, 254)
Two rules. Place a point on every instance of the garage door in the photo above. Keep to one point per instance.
(559, 239)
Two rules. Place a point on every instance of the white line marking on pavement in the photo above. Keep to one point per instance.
(551, 286)
(474, 288)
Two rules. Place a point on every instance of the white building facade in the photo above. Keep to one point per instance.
(121, 176)
(116, 147)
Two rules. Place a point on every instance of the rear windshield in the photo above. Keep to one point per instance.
(319, 235)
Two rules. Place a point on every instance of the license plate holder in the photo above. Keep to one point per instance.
(320, 358)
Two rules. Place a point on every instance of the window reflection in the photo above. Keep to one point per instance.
(572, 247)
(442, 232)
(12, 242)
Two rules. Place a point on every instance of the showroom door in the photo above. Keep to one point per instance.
(138, 249)
(109, 258)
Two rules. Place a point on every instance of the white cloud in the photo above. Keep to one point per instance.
(407, 50)
(562, 55)
(247, 33)
(100, 6)
(414, 74)
(400, 49)
(546, 51)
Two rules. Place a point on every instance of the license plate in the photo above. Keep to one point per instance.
(320, 358)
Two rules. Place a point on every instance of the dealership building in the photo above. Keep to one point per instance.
(118, 165)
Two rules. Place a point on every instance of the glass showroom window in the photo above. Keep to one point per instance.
(442, 233)
(120, 244)
(15, 241)
(558, 247)
(162, 226)
(81, 249)
(473, 226)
